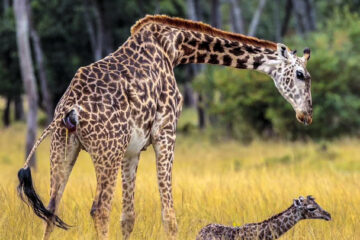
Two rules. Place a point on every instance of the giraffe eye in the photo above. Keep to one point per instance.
(300, 75)
(311, 209)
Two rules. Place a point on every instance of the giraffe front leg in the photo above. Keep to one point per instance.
(106, 174)
(164, 150)
(61, 167)
(128, 174)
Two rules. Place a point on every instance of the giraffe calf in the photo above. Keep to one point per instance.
(272, 228)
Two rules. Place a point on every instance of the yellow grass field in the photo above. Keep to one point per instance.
(223, 182)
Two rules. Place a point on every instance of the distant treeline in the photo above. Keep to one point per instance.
(74, 33)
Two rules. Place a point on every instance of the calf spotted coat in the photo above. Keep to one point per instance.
(272, 228)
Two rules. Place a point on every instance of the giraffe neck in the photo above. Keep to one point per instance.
(275, 226)
(221, 51)
(196, 45)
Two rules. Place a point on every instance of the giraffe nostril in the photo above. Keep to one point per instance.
(304, 118)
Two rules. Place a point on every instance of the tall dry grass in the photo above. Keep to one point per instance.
(222, 182)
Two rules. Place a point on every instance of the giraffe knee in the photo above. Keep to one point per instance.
(92, 212)
(97, 211)
(127, 222)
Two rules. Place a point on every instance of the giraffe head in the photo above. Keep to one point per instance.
(309, 209)
(293, 81)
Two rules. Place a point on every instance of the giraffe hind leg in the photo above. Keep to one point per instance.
(164, 147)
(61, 168)
(28, 194)
(106, 169)
(128, 174)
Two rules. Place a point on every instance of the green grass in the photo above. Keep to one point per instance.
(222, 182)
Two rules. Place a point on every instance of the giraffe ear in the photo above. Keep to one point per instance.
(306, 54)
(310, 197)
(283, 51)
(297, 203)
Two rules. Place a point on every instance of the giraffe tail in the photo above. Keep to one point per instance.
(27, 192)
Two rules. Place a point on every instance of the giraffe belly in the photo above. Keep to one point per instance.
(138, 141)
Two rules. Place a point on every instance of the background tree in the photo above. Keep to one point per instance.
(67, 34)
(237, 22)
(94, 24)
(256, 18)
(10, 84)
(27, 71)
(39, 58)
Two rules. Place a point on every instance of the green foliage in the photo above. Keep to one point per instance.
(240, 103)
(10, 83)
(247, 103)
(61, 25)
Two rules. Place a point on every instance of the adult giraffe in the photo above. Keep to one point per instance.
(117, 106)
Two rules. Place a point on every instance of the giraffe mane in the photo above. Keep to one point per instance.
(201, 27)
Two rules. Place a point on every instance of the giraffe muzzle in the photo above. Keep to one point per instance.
(304, 118)
(327, 216)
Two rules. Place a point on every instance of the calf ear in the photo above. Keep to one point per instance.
(283, 51)
(310, 197)
(297, 203)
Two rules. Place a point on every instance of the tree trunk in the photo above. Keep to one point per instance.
(189, 95)
(237, 22)
(277, 22)
(215, 20)
(19, 108)
(193, 10)
(288, 11)
(90, 28)
(192, 69)
(310, 9)
(39, 58)
(46, 100)
(95, 30)
(27, 71)
(198, 10)
(108, 43)
(256, 18)
(99, 29)
(6, 5)
(6, 116)
(157, 7)
(189, 99)
(201, 112)
(305, 16)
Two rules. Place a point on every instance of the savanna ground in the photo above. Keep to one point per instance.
(223, 181)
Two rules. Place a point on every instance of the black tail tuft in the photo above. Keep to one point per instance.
(31, 198)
